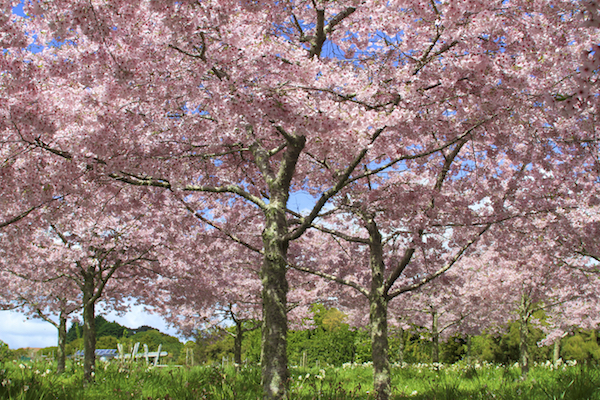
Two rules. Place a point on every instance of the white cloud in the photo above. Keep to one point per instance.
(17, 331)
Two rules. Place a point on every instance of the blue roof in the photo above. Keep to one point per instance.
(100, 352)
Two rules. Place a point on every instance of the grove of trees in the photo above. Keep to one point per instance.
(446, 152)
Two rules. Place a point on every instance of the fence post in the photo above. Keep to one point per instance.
(157, 355)
(146, 353)
(136, 347)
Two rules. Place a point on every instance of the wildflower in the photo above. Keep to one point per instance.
(321, 374)
(414, 393)
(22, 366)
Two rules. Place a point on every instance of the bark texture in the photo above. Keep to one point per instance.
(435, 337)
(274, 298)
(378, 310)
(89, 331)
(62, 342)
(556, 352)
(401, 345)
(237, 343)
(524, 336)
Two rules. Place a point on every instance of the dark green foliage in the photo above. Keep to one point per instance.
(417, 346)
(107, 342)
(251, 347)
(332, 342)
(105, 328)
(5, 353)
(454, 349)
(581, 345)
(74, 332)
(212, 345)
(504, 348)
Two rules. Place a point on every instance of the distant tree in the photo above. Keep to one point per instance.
(5, 352)
(331, 341)
(581, 345)
(106, 342)
(87, 249)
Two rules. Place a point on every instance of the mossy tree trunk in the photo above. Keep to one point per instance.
(524, 314)
(89, 329)
(275, 239)
(435, 337)
(62, 343)
(401, 345)
(378, 314)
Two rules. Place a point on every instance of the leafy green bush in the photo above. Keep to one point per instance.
(581, 346)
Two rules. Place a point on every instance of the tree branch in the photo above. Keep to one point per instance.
(399, 269)
(341, 183)
(223, 231)
(331, 277)
(440, 271)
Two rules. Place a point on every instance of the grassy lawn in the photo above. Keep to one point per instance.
(38, 381)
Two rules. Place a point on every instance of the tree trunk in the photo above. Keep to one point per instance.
(524, 312)
(379, 347)
(523, 350)
(469, 348)
(378, 310)
(274, 303)
(89, 331)
(237, 343)
(401, 346)
(556, 352)
(272, 273)
(62, 342)
(435, 337)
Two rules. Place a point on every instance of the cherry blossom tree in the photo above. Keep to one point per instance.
(77, 254)
(531, 278)
(408, 227)
(439, 306)
(219, 285)
(215, 288)
(53, 301)
(238, 102)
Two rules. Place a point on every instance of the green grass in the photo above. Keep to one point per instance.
(38, 381)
